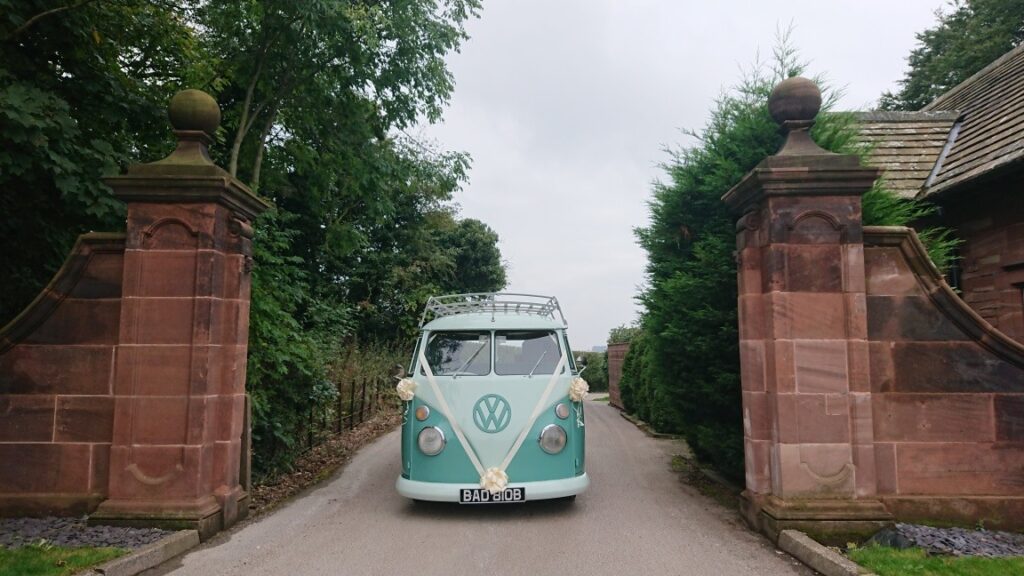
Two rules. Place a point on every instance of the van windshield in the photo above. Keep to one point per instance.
(525, 352)
(459, 353)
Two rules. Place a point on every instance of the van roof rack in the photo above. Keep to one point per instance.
(493, 302)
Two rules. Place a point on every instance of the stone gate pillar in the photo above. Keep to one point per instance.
(807, 419)
(179, 383)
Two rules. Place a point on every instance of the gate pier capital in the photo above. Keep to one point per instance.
(808, 433)
(179, 382)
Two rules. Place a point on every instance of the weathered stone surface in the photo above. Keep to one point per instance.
(821, 366)
(160, 320)
(757, 423)
(752, 365)
(933, 418)
(885, 468)
(26, 418)
(84, 419)
(79, 321)
(56, 369)
(1009, 415)
(995, 512)
(45, 468)
(953, 367)
(807, 316)
(814, 268)
(757, 465)
(823, 418)
(968, 469)
(101, 278)
(155, 420)
(163, 273)
(813, 471)
(887, 273)
(751, 317)
(153, 370)
(908, 318)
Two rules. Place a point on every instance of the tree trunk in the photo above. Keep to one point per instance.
(261, 145)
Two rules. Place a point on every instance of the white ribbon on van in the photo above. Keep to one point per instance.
(493, 479)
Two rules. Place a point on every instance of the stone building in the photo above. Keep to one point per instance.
(965, 152)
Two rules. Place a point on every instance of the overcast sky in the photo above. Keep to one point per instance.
(566, 106)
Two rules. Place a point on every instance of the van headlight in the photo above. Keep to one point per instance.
(431, 441)
(562, 410)
(552, 439)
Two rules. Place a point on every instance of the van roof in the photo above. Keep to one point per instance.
(493, 321)
(485, 308)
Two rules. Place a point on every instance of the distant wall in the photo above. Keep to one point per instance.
(947, 393)
(616, 357)
(56, 385)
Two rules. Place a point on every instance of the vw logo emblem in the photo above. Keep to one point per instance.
(492, 413)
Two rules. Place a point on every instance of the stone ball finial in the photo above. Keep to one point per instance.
(194, 110)
(794, 100)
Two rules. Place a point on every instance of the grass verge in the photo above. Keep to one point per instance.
(915, 562)
(44, 560)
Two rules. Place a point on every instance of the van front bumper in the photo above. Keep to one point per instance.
(449, 492)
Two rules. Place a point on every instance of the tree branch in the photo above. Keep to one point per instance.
(28, 23)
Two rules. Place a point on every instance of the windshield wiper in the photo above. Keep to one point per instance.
(470, 361)
(539, 360)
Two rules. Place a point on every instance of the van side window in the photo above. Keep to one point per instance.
(568, 350)
(459, 353)
(415, 354)
(521, 352)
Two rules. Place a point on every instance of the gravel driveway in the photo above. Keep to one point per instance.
(637, 518)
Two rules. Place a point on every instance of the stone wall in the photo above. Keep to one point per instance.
(56, 385)
(122, 387)
(616, 357)
(947, 393)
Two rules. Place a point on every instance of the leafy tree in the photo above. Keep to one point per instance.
(965, 40)
(315, 98)
(596, 372)
(477, 260)
(624, 333)
(83, 91)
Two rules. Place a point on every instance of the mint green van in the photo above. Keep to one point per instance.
(493, 403)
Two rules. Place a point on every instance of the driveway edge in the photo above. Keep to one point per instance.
(646, 428)
(819, 557)
(148, 556)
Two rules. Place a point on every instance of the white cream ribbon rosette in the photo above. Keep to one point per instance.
(578, 389)
(494, 480)
(406, 389)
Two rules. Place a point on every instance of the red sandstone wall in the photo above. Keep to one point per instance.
(616, 357)
(56, 379)
(947, 393)
(992, 255)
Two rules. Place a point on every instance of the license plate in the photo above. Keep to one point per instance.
(481, 496)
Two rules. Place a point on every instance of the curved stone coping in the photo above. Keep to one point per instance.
(939, 292)
(62, 283)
